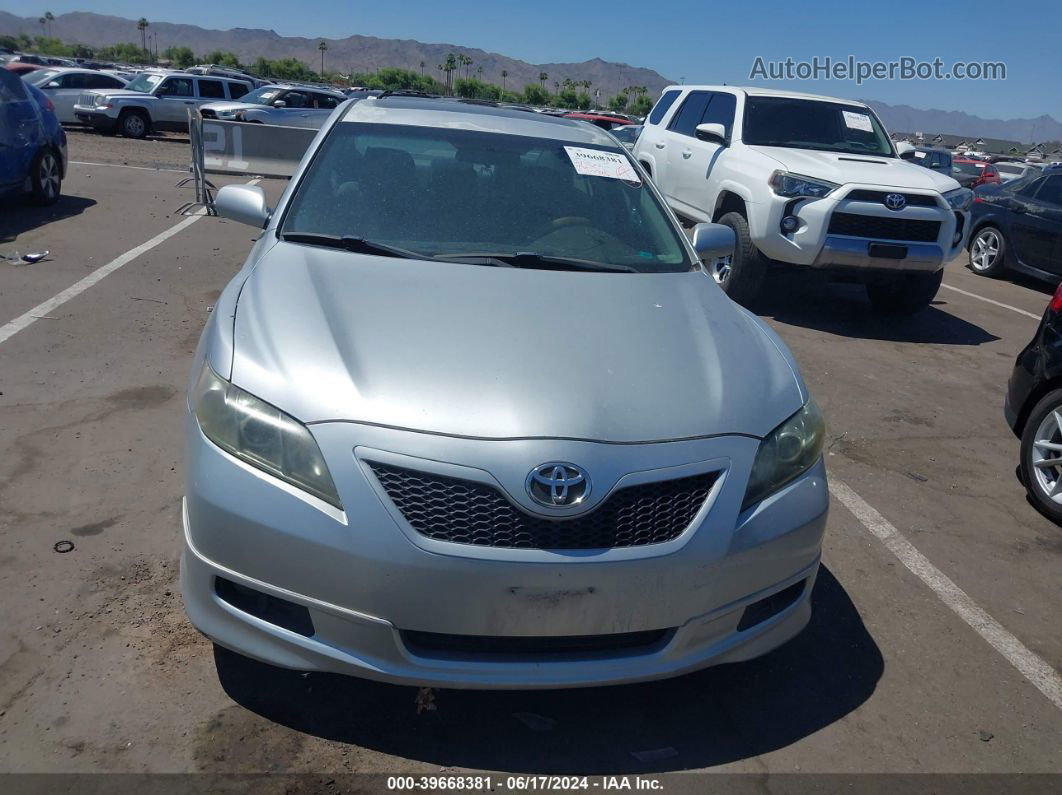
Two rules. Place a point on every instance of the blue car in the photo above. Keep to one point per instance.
(32, 143)
(1017, 225)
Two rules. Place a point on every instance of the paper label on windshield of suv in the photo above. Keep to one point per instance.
(857, 121)
(596, 163)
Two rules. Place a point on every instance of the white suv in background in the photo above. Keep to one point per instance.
(804, 180)
(155, 100)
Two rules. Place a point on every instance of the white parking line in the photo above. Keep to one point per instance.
(1043, 677)
(8, 330)
(122, 165)
(995, 303)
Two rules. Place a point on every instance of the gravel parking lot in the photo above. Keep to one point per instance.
(936, 628)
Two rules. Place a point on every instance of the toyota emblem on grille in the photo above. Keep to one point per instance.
(895, 201)
(558, 484)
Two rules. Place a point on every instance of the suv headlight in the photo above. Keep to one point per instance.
(959, 199)
(262, 435)
(793, 185)
(785, 453)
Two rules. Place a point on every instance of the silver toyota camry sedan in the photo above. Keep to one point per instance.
(472, 414)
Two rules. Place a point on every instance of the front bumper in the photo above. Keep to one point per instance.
(814, 245)
(95, 119)
(365, 579)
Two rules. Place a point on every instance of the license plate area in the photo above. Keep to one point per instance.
(887, 251)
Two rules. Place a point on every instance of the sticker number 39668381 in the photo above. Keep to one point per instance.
(599, 163)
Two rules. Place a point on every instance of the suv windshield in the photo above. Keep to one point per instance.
(144, 83)
(261, 96)
(441, 191)
(969, 169)
(814, 124)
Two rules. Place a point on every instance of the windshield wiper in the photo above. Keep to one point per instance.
(357, 245)
(529, 259)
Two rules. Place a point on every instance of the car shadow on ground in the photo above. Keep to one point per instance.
(712, 717)
(809, 299)
(17, 215)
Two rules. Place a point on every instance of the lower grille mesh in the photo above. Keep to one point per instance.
(880, 228)
(469, 512)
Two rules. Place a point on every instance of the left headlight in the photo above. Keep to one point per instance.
(959, 199)
(785, 453)
(261, 435)
(794, 185)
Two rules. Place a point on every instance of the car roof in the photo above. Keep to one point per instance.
(474, 115)
(304, 87)
(758, 91)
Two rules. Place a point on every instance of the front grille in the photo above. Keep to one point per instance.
(469, 512)
(878, 197)
(87, 100)
(881, 228)
(427, 644)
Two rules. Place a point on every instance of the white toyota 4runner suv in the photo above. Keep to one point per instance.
(804, 180)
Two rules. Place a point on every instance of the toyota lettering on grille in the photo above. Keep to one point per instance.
(558, 484)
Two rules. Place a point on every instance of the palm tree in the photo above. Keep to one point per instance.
(142, 26)
(542, 78)
(44, 28)
(49, 17)
(422, 68)
(323, 47)
(451, 67)
(505, 74)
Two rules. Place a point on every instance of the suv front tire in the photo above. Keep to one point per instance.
(133, 124)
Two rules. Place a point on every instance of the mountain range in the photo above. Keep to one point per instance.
(367, 53)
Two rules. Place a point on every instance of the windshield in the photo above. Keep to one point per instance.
(814, 124)
(40, 77)
(627, 134)
(144, 83)
(969, 169)
(261, 96)
(441, 191)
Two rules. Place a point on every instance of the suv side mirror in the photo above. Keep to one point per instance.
(243, 203)
(280, 104)
(712, 132)
(908, 154)
(712, 241)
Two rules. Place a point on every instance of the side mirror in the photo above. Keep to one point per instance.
(53, 84)
(280, 104)
(712, 241)
(712, 132)
(243, 203)
(907, 155)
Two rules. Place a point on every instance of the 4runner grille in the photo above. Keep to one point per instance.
(881, 228)
(878, 197)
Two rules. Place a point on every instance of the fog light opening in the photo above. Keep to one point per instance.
(790, 224)
(770, 606)
(280, 612)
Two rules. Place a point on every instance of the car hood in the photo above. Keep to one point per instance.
(862, 169)
(489, 352)
(229, 107)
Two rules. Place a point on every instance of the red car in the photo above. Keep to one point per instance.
(602, 120)
(971, 173)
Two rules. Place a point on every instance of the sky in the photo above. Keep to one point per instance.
(700, 41)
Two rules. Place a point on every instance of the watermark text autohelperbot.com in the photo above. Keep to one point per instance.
(852, 68)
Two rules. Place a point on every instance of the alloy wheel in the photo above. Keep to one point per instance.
(720, 269)
(134, 125)
(985, 250)
(49, 175)
(1046, 456)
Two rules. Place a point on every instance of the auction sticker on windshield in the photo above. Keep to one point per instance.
(596, 163)
(857, 121)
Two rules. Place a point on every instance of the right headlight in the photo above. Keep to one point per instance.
(261, 435)
(959, 199)
(795, 185)
(785, 453)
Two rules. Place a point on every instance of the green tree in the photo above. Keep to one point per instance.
(642, 105)
(142, 25)
(535, 94)
(221, 58)
(262, 67)
(125, 52)
(583, 101)
(181, 57)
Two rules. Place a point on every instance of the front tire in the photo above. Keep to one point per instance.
(1041, 442)
(740, 275)
(46, 177)
(132, 124)
(904, 293)
(988, 252)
